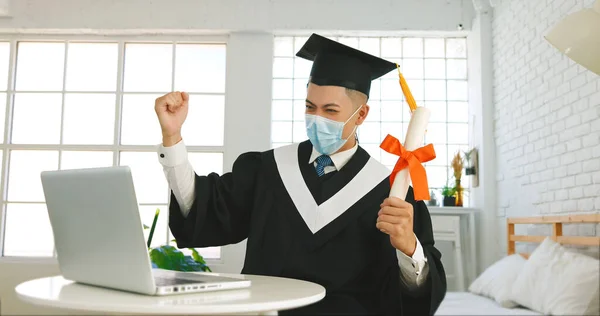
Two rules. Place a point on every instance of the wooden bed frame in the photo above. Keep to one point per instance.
(557, 235)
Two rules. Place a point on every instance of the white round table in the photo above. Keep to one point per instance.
(267, 295)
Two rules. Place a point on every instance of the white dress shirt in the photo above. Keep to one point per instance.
(181, 178)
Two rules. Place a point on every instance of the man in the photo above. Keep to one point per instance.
(319, 210)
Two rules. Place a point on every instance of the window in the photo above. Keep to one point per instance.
(75, 104)
(436, 72)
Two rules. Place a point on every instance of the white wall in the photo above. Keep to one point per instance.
(547, 117)
(481, 109)
(236, 15)
(250, 25)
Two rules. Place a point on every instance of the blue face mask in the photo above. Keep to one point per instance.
(325, 134)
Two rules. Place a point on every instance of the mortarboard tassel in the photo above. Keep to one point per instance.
(407, 95)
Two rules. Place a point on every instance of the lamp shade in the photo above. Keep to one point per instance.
(578, 37)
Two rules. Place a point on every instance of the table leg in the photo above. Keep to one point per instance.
(473, 246)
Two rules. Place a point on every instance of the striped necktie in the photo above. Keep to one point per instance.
(322, 162)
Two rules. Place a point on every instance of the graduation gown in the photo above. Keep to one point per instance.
(320, 230)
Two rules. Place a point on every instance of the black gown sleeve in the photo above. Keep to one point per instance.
(220, 214)
(426, 299)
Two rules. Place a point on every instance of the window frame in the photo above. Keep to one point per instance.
(115, 148)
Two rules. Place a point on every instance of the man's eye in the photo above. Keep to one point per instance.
(332, 111)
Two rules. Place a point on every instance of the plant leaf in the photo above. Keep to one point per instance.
(197, 257)
(153, 226)
(170, 258)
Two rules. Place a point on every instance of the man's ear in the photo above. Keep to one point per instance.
(362, 114)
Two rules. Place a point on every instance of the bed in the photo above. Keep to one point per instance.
(465, 303)
(537, 286)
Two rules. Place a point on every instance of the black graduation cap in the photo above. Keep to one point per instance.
(335, 64)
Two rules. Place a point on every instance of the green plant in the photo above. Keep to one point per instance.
(448, 191)
(170, 258)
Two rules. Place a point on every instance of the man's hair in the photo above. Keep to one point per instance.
(358, 98)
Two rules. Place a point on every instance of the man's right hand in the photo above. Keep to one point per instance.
(172, 109)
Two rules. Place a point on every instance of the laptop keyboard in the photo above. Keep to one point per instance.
(167, 281)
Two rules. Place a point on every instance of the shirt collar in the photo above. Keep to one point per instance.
(339, 159)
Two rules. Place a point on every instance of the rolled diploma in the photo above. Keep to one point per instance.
(414, 139)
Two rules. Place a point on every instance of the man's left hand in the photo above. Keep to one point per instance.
(396, 219)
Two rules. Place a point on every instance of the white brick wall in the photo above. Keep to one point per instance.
(547, 116)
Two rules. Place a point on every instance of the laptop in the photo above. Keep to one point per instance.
(99, 237)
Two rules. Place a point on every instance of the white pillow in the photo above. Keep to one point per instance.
(496, 281)
(556, 281)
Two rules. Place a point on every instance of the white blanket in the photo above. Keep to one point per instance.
(465, 303)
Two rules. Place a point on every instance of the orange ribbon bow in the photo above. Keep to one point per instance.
(413, 160)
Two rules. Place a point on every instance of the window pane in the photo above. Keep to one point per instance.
(302, 69)
(283, 67)
(281, 132)
(435, 69)
(200, 68)
(148, 177)
(457, 69)
(438, 111)
(369, 45)
(299, 132)
(24, 182)
(160, 235)
(391, 111)
(434, 47)
(391, 47)
(457, 90)
(139, 124)
(375, 93)
(396, 129)
(85, 159)
(298, 43)
(34, 73)
(436, 133)
(456, 48)
(437, 177)
(2, 115)
(374, 111)
(349, 41)
(458, 133)
(283, 88)
(373, 150)
(390, 90)
(148, 67)
(89, 119)
(299, 110)
(458, 112)
(92, 67)
(277, 145)
(412, 47)
(300, 89)
(435, 90)
(441, 155)
(28, 231)
(417, 89)
(282, 110)
(36, 118)
(204, 125)
(412, 68)
(205, 163)
(4, 62)
(370, 133)
(284, 46)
